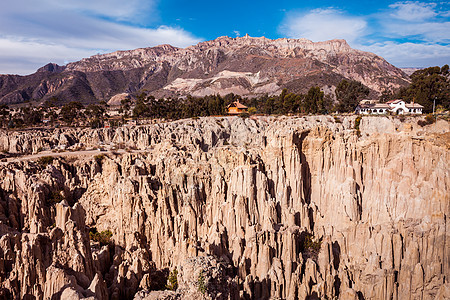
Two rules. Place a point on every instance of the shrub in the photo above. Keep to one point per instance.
(45, 160)
(104, 237)
(357, 123)
(99, 158)
(55, 197)
(244, 115)
(337, 120)
(310, 247)
(429, 119)
(201, 283)
(172, 280)
(252, 110)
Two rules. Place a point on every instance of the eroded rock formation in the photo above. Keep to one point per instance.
(279, 208)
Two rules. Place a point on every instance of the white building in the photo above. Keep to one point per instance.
(398, 107)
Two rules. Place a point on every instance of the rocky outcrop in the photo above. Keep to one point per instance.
(245, 65)
(279, 208)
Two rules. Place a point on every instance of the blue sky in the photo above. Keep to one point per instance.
(406, 33)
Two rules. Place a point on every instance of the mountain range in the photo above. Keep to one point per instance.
(247, 66)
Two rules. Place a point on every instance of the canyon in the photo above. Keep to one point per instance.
(246, 66)
(279, 207)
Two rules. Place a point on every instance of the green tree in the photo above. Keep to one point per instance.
(4, 115)
(71, 111)
(428, 85)
(96, 115)
(125, 105)
(387, 95)
(31, 116)
(314, 101)
(142, 109)
(349, 93)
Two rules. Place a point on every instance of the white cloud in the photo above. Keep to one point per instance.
(58, 31)
(406, 34)
(413, 11)
(324, 24)
(411, 54)
(24, 57)
(418, 20)
(427, 31)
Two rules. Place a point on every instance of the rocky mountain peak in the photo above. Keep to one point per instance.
(248, 66)
(51, 67)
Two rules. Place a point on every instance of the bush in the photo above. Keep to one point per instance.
(104, 237)
(55, 197)
(337, 120)
(310, 247)
(244, 115)
(99, 158)
(45, 160)
(172, 280)
(357, 123)
(201, 283)
(429, 119)
(252, 110)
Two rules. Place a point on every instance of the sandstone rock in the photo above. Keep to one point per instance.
(287, 208)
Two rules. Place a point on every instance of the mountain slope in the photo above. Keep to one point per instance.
(246, 66)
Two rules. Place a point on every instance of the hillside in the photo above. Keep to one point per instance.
(246, 66)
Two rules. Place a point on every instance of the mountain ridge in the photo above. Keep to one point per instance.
(248, 66)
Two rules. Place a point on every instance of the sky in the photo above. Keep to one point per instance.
(34, 33)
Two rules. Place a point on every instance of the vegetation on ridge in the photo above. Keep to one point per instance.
(428, 86)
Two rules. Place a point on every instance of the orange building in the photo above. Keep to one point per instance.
(236, 108)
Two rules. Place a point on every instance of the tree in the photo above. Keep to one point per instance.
(428, 85)
(4, 115)
(141, 109)
(387, 95)
(314, 101)
(96, 115)
(349, 93)
(71, 111)
(291, 103)
(31, 116)
(124, 110)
